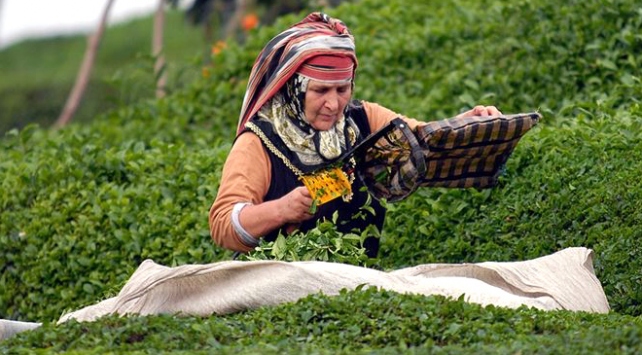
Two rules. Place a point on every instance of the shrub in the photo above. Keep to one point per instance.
(81, 207)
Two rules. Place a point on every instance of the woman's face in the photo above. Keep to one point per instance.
(324, 103)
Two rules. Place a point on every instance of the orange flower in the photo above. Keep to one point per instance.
(218, 47)
(205, 71)
(250, 22)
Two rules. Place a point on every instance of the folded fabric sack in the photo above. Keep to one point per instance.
(454, 153)
(564, 280)
(9, 328)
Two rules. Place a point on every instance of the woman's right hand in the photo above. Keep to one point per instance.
(480, 110)
(295, 206)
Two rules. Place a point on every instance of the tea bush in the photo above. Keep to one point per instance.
(355, 322)
(83, 206)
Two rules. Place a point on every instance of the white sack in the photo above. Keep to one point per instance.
(563, 280)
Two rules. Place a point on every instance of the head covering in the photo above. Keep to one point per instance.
(317, 35)
(285, 114)
(328, 68)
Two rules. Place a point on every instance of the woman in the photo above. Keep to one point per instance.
(297, 116)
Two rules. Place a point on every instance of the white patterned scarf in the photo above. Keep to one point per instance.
(286, 113)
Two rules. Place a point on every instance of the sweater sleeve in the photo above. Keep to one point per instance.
(245, 178)
(379, 116)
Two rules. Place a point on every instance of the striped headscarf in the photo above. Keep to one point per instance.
(317, 34)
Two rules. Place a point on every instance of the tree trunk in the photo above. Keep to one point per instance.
(234, 23)
(208, 36)
(157, 50)
(84, 73)
(1, 3)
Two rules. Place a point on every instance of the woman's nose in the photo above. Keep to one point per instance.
(332, 101)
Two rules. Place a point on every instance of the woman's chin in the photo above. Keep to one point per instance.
(323, 125)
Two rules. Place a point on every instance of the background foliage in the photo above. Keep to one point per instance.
(81, 207)
(38, 74)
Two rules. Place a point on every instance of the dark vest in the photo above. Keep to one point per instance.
(284, 180)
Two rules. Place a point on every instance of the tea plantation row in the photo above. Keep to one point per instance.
(82, 207)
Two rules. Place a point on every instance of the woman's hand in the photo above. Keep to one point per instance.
(295, 206)
(480, 110)
(286, 212)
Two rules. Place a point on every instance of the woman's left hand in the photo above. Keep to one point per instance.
(480, 110)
